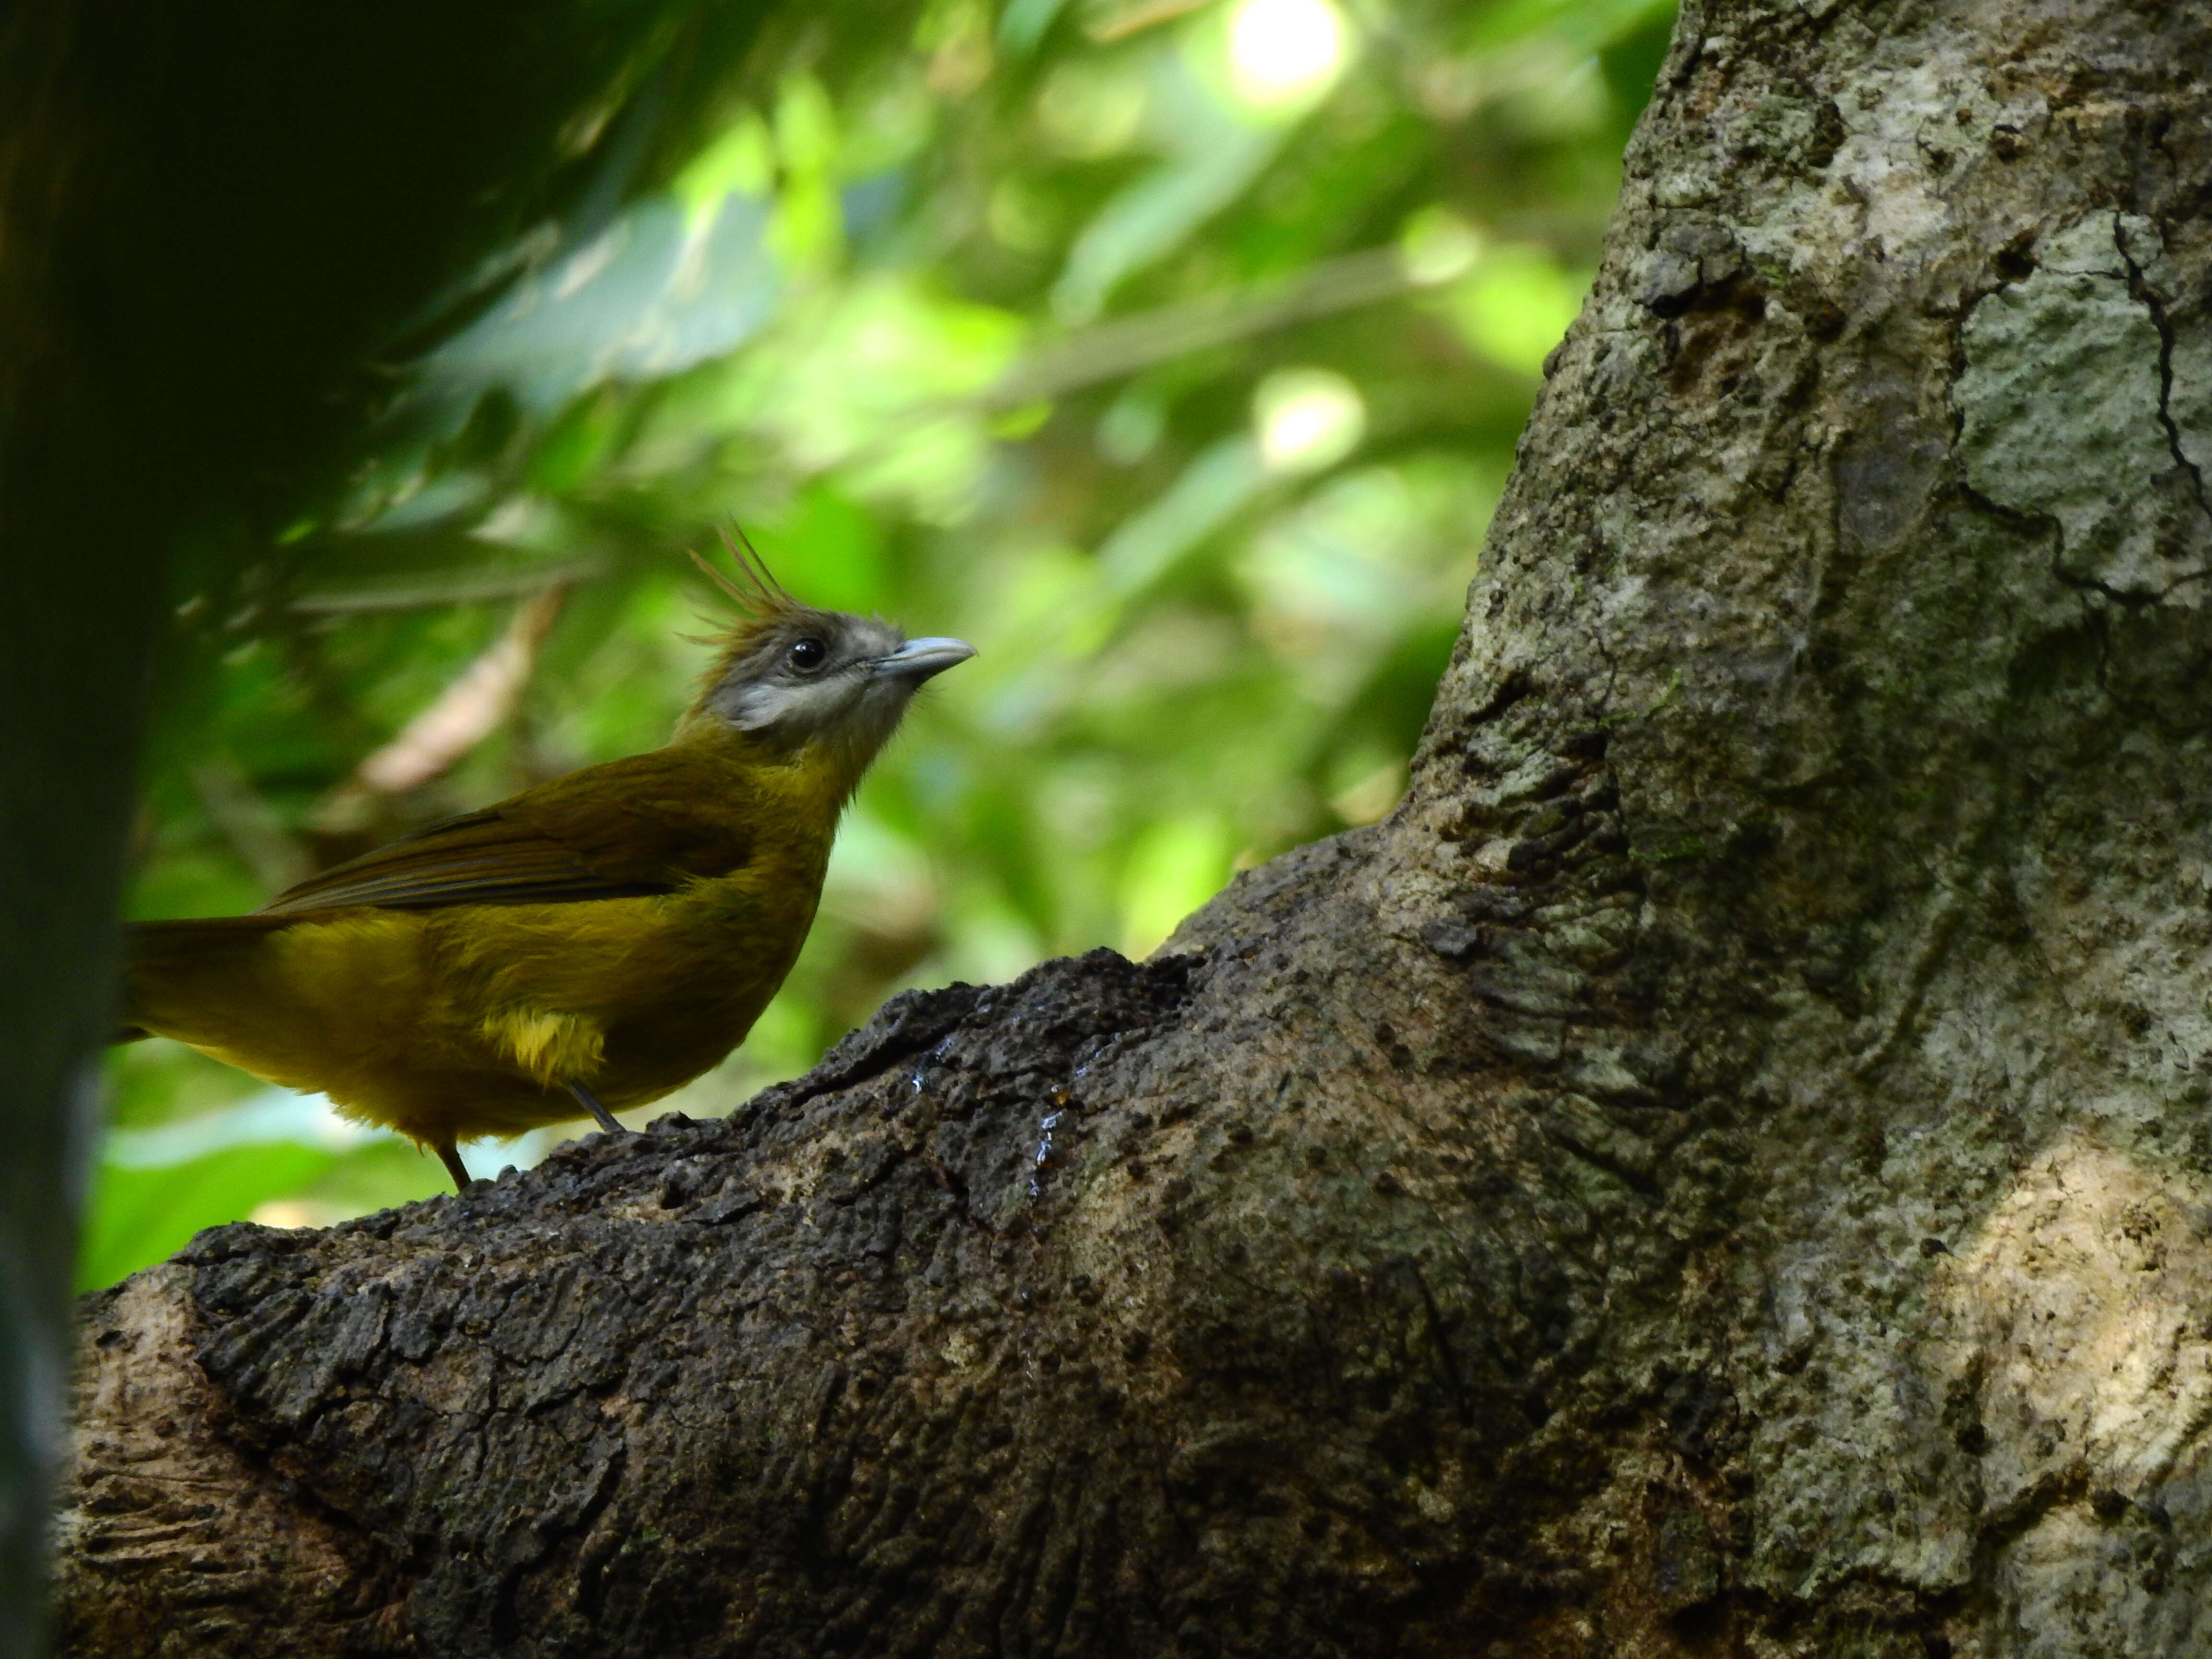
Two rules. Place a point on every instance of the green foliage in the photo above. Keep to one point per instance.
(1172, 354)
(144, 1214)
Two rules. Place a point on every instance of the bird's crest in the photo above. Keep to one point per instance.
(762, 601)
(754, 589)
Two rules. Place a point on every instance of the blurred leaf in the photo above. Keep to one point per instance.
(827, 547)
(1175, 866)
(1514, 305)
(1218, 155)
(669, 284)
(1585, 24)
(139, 1216)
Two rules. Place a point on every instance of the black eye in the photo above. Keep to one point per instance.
(807, 655)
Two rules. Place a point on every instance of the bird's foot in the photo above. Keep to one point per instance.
(590, 1103)
(451, 1158)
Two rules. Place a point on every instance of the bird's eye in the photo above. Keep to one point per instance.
(807, 655)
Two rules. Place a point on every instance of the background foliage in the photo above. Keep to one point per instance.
(1171, 351)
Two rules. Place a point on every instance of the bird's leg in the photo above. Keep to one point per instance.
(451, 1159)
(590, 1102)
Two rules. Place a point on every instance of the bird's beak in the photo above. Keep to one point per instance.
(917, 659)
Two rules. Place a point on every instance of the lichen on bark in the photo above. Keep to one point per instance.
(1719, 1170)
(2065, 411)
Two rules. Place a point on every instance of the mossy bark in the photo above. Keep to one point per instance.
(1724, 1168)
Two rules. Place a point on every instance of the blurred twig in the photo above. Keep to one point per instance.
(377, 800)
(259, 837)
(456, 587)
(1129, 343)
(469, 709)
(1106, 24)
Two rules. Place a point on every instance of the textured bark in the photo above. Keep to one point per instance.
(1724, 1168)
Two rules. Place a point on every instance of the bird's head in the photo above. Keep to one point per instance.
(795, 680)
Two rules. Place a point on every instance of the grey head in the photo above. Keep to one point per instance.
(810, 675)
(792, 676)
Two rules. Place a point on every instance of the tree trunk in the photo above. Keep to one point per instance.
(212, 214)
(1725, 1168)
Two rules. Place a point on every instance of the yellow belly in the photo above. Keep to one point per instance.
(445, 1025)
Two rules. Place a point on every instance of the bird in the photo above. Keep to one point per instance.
(587, 945)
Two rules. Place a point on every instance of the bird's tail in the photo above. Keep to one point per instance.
(172, 967)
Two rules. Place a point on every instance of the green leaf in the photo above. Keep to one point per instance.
(142, 1215)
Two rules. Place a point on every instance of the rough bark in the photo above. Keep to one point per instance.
(1724, 1168)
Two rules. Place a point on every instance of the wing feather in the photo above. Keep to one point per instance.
(651, 824)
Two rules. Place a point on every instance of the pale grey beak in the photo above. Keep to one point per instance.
(917, 659)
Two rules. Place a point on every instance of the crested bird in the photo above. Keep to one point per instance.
(587, 945)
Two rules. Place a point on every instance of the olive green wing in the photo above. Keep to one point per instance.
(651, 824)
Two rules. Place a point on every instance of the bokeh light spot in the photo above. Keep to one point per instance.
(1438, 245)
(1283, 51)
(1307, 419)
